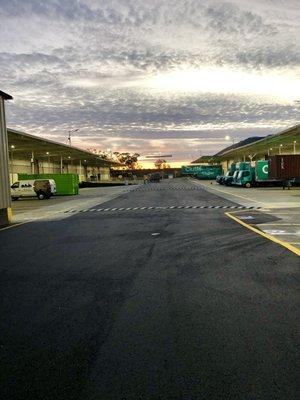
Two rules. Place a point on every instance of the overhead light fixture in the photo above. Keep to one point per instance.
(47, 153)
(12, 146)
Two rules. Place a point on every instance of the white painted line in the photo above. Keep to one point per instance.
(279, 232)
(245, 217)
(155, 234)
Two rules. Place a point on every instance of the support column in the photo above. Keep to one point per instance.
(61, 164)
(32, 162)
(5, 199)
(12, 164)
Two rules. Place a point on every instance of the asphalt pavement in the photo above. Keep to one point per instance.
(153, 297)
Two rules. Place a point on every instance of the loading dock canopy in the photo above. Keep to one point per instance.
(5, 96)
(28, 146)
(285, 142)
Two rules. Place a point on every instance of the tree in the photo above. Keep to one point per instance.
(161, 164)
(130, 160)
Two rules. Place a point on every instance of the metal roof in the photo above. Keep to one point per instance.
(24, 144)
(5, 95)
(284, 140)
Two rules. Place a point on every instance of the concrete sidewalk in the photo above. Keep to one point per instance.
(283, 205)
(31, 209)
(265, 197)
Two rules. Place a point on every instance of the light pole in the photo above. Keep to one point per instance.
(227, 137)
(295, 146)
(12, 161)
(279, 150)
(69, 137)
(48, 154)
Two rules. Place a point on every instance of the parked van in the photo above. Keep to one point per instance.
(42, 188)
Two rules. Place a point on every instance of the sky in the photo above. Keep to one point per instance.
(153, 77)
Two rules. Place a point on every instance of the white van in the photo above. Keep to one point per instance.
(42, 188)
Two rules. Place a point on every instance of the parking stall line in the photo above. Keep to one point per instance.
(288, 246)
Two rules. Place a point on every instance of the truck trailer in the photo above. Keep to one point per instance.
(202, 171)
(285, 168)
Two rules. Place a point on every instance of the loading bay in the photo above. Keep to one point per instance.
(177, 290)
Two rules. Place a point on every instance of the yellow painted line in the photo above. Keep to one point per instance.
(265, 235)
(14, 225)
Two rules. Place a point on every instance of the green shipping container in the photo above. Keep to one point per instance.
(262, 170)
(66, 184)
(202, 171)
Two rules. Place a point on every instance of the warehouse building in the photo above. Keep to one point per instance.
(35, 155)
(285, 142)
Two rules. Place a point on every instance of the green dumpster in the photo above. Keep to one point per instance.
(66, 184)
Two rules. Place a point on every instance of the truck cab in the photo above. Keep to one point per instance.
(233, 179)
(245, 178)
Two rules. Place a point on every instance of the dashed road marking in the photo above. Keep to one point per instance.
(156, 189)
(160, 208)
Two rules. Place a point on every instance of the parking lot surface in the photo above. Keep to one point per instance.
(30, 208)
(158, 295)
(283, 207)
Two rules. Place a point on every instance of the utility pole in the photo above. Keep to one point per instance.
(69, 137)
(5, 197)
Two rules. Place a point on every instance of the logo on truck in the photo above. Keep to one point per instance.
(265, 169)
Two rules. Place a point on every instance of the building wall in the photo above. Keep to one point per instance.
(18, 165)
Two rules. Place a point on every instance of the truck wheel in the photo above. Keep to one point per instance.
(247, 185)
(15, 198)
(41, 195)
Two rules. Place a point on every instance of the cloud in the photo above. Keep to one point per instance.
(89, 63)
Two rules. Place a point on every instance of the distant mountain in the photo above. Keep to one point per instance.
(240, 144)
(233, 146)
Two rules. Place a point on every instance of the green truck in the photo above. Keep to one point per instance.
(227, 178)
(248, 176)
(202, 171)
